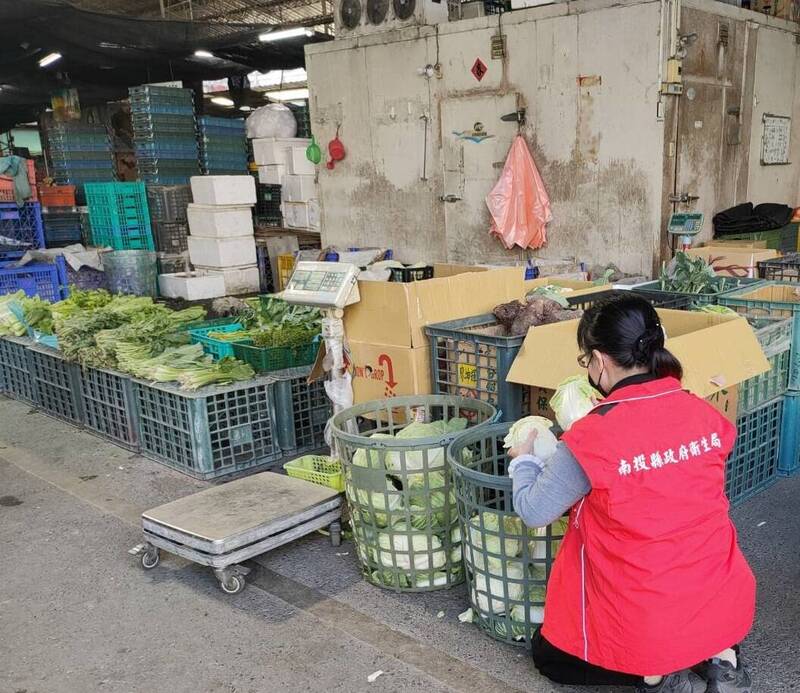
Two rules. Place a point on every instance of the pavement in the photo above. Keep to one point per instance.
(78, 614)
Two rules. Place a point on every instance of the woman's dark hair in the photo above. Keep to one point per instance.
(627, 328)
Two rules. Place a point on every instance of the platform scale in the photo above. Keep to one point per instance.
(222, 526)
(685, 225)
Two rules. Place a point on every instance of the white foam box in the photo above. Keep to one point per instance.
(301, 215)
(238, 280)
(216, 221)
(220, 253)
(297, 163)
(223, 190)
(269, 151)
(192, 286)
(299, 189)
(272, 175)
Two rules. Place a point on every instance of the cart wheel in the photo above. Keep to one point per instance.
(233, 584)
(150, 559)
(336, 534)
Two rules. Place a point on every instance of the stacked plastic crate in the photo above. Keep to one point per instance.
(223, 145)
(164, 134)
(119, 216)
(61, 218)
(79, 154)
(168, 205)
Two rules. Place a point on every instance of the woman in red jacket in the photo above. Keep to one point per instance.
(649, 587)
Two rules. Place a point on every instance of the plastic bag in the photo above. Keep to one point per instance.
(272, 120)
(518, 203)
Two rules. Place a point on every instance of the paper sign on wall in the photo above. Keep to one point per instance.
(775, 140)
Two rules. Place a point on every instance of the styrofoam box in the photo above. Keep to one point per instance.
(192, 286)
(216, 221)
(238, 280)
(299, 189)
(301, 215)
(297, 163)
(272, 175)
(219, 253)
(268, 151)
(224, 190)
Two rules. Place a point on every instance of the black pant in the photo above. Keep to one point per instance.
(561, 667)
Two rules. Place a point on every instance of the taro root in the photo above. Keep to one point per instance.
(506, 313)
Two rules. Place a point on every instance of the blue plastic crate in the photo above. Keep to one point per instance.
(215, 347)
(48, 281)
(23, 226)
(754, 463)
(790, 436)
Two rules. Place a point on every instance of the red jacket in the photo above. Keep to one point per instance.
(649, 579)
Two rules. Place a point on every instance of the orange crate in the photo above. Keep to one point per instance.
(7, 185)
(57, 195)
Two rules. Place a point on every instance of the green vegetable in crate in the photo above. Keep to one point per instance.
(538, 547)
(484, 534)
(574, 398)
(222, 372)
(287, 335)
(37, 314)
(718, 310)
(371, 458)
(378, 507)
(404, 548)
(545, 444)
(443, 510)
(79, 301)
(10, 324)
(495, 581)
(690, 275)
(236, 336)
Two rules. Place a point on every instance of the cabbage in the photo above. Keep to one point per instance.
(382, 505)
(456, 553)
(439, 504)
(410, 547)
(538, 548)
(508, 547)
(431, 580)
(573, 400)
(489, 592)
(390, 578)
(360, 458)
(545, 444)
(415, 459)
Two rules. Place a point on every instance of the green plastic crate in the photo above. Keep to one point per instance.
(302, 411)
(753, 464)
(56, 384)
(775, 337)
(323, 471)
(270, 359)
(16, 370)
(729, 284)
(217, 348)
(211, 432)
(783, 239)
(110, 406)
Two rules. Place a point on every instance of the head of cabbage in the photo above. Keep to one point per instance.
(545, 444)
(405, 548)
(485, 534)
(574, 399)
(501, 583)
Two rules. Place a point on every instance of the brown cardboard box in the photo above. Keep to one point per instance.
(721, 242)
(381, 371)
(733, 262)
(717, 352)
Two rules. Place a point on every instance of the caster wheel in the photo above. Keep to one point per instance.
(336, 534)
(233, 585)
(150, 559)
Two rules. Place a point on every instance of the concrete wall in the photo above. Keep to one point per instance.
(588, 75)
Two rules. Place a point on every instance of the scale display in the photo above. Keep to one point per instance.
(322, 284)
(685, 223)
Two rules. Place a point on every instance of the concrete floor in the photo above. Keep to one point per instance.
(77, 613)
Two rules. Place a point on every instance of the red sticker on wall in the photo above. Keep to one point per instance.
(479, 69)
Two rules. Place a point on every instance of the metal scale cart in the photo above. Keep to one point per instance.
(225, 525)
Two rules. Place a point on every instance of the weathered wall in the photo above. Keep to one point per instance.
(596, 140)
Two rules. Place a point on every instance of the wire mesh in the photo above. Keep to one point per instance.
(399, 488)
(508, 565)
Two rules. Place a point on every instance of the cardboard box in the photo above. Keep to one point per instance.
(717, 352)
(385, 371)
(728, 261)
(735, 244)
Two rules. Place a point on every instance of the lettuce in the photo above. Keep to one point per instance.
(573, 400)
(545, 444)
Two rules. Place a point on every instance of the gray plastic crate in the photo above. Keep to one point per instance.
(301, 411)
(17, 375)
(775, 337)
(211, 432)
(56, 384)
(110, 406)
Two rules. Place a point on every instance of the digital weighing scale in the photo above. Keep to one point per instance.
(227, 524)
(685, 225)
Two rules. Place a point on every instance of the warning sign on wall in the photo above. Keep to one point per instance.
(479, 69)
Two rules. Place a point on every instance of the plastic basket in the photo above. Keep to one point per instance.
(86, 278)
(286, 265)
(173, 263)
(323, 471)
(57, 195)
(171, 237)
(168, 203)
(783, 239)
(16, 369)
(48, 281)
(411, 274)
(110, 406)
(56, 384)
(776, 300)
(789, 462)
(781, 269)
(753, 464)
(62, 229)
(269, 359)
(211, 432)
(508, 565)
(132, 272)
(729, 285)
(217, 348)
(399, 490)
(119, 215)
(23, 226)
(7, 192)
(302, 411)
(775, 337)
